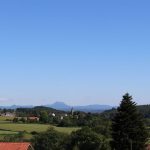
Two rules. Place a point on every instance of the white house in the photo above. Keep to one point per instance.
(53, 115)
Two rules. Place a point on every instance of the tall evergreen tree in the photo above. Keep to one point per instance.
(128, 129)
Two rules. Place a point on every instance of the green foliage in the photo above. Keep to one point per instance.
(86, 139)
(128, 129)
(77, 119)
(15, 120)
(16, 127)
(147, 122)
(109, 114)
(22, 120)
(34, 133)
(145, 110)
(44, 117)
(15, 138)
(83, 139)
(104, 130)
(83, 119)
(29, 112)
(49, 140)
(66, 122)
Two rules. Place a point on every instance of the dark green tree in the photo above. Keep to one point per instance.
(86, 139)
(49, 140)
(44, 117)
(15, 120)
(128, 129)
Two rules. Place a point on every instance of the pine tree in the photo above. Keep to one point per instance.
(128, 129)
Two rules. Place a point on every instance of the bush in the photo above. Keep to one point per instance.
(15, 120)
(49, 140)
(15, 138)
(86, 139)
(23, 120)
(34, 133)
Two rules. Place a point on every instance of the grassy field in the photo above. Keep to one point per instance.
(3, 118)
(5, 132)
(34, 127)
(9, 128)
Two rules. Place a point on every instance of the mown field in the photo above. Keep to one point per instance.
(9, 128)
(16, 127)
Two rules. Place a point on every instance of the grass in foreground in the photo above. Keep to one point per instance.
(9, 128)
(34, 127)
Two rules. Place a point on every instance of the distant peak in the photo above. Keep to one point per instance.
(59, 103)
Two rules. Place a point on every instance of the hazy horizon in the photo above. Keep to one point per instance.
(77, 52)
(10, 102)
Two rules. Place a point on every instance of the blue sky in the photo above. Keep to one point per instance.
(76, 51)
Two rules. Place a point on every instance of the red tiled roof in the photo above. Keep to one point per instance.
(148, 147)
(14, 146)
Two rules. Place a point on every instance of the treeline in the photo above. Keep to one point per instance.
(61, 118)
(84, 119)
(83, 139)
(36, 111)
(143, 109)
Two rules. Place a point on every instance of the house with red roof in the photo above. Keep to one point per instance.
(33, 119)
(148, 147)
(15, 146)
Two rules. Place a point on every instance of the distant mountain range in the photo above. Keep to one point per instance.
(16, 106)
(86, 108)
(65, 107)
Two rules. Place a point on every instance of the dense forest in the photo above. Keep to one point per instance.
(24, 112)
(143, 109)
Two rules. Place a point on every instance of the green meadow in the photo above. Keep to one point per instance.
(16, 127)
(9, 128)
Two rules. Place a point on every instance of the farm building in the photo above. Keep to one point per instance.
(8, 114)
(15, 146)
(33, 119)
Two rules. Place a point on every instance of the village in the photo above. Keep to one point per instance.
(32, 118)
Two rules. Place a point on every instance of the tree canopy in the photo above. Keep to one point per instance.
(128, 129)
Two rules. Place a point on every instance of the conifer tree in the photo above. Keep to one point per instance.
(128, 129)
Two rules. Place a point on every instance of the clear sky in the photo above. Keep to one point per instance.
(75, 51)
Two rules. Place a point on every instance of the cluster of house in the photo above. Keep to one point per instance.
(32, 119)
(12, 114)
(36, 119)
(61, 116)
(8, 114)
